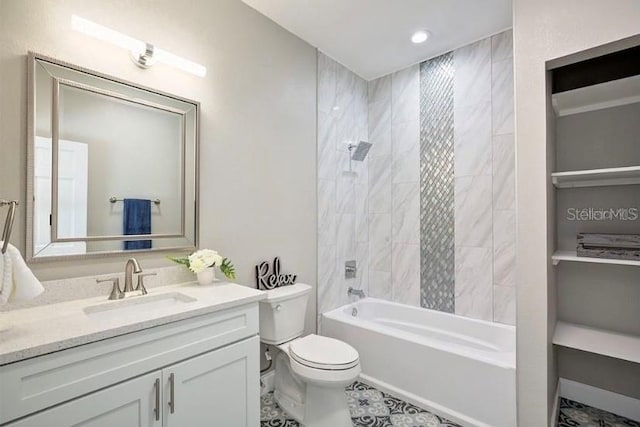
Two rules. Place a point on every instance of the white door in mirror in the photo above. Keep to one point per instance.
(73, 173)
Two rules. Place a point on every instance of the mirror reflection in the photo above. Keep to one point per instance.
(114, 166)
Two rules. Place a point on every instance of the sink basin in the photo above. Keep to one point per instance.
(137, 306)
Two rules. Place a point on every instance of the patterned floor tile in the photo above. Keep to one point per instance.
(575, 414)
(369, 408)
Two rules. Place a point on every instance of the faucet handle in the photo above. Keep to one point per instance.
(140, 286)
(116, 292)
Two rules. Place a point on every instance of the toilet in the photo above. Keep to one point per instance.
(311, 372)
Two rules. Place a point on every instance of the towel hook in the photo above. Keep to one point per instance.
(8, 223)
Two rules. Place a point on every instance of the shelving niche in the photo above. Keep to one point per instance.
(597, 165)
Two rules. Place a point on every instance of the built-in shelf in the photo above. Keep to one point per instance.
(599, 341)
(573, 257)
(597, 97)
(629, 175)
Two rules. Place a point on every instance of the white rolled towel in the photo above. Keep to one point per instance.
(17, 282)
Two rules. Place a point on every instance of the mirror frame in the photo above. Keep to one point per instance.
(33, 60)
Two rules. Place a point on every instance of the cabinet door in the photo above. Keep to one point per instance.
(128, 404)
(219, 388)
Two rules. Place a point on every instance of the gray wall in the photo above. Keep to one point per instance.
(258, 129)
(545, 30)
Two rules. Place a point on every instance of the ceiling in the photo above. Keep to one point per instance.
(372, 37)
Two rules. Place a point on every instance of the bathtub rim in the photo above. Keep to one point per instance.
(339, 315)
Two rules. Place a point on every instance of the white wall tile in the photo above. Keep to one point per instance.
(472, 140)
(328, 284)
(484, 182)
(327, 137)
(405, 143)
(362, 264)
(405, 95)
(473, 212)
(504, 181)
(380, 89)
(346, 130)
(380, 128)
(504, 249)
(327, 220)
(380, 242)
(406, 166)
(504, 304)
(474, 287)
(327, 83)
(406, 213)
(502, 96)
(343, 111)
(345, 192)
(502, 46)
(472, 77)
(362, 213)
(406, 273)
(380, 284)
(380, 185)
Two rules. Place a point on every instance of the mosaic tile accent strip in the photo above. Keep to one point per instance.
(437, 185)
(369, 408)
(575, 414)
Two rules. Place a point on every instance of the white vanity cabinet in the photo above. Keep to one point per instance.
(131, 403)
(201, 371)
(216, 389)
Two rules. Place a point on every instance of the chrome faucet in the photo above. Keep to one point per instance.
(131, 267)
(355, 292)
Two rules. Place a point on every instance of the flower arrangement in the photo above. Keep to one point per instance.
(198, 261)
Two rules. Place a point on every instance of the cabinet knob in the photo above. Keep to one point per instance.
(278, 307)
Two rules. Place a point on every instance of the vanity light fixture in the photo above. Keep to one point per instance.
(143, 54)
(420, 37)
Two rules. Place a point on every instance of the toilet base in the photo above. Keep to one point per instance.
(326, 407)
(310, 404)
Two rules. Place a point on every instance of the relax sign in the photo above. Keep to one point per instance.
(271, 279)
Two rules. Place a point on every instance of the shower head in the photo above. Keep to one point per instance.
(361, 151)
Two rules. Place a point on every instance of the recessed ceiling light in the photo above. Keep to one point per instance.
(420, 36)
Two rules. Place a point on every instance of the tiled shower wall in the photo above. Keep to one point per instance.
(485, 180)
(394, 188)
(483, 284)
(342, 188)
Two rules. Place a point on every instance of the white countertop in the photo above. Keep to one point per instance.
(32, 332)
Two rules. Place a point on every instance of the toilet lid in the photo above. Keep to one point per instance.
(320, 352)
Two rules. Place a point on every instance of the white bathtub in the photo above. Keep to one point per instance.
(460, 368)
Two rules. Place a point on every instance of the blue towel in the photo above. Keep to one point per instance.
(137, 220)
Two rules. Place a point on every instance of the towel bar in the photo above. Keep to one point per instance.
(114, 199)
(8, 223)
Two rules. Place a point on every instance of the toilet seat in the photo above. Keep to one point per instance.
(323, 353)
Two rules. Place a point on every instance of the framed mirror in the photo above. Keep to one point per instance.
(112, 166)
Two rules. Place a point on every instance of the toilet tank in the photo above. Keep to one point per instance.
(283, 312)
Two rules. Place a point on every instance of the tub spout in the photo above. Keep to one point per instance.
(355, 292)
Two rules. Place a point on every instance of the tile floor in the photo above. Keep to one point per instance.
(369, 407)
(575, 414)
(373, 408)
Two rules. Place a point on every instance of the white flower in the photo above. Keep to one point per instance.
(196, 264)
(204, 258)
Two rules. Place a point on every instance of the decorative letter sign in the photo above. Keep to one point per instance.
(268, 281)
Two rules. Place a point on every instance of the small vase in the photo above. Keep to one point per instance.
(206, 276)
